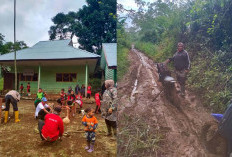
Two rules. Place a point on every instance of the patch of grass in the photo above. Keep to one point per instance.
(123, 62)
(1, 83)
(137, 138)
(149, 49)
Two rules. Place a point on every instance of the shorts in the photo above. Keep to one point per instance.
(90, 136)
(70, 103)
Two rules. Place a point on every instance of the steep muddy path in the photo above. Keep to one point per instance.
(186, 131)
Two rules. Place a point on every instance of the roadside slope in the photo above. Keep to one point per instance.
(170, 131)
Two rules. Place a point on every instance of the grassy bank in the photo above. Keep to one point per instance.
(210, 81)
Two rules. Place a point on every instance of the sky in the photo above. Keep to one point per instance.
(33, 18)
(130, 4)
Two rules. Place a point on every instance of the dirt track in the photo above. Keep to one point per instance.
(186, 131)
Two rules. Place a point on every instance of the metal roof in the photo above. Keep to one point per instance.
(50, 50)
(110, 53)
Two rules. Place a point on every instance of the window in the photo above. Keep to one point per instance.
(28, 78)
(66, 77)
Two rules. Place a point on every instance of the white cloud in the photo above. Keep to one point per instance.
(33, 18)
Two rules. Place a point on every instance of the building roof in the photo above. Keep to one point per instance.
(49, 50)
(110, 53)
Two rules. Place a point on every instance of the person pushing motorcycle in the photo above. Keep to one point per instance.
(182, 65)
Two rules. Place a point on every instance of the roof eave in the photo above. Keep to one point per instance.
(86, 58)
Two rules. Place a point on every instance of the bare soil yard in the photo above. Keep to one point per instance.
(22, 139)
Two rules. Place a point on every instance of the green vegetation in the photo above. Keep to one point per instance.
(1, 83)
(93, 24)
(205, 29)
(123, 45)
(136, 136)
(6, 47)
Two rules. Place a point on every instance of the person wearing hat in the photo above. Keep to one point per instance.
(12, 97)
(52, 127)
(42, 106)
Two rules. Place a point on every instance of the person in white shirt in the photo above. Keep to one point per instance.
(42, 106)
(12, 97)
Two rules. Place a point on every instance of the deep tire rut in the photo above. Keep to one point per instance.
(182, 128)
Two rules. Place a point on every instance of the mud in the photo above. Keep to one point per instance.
(187, 131)
(22, 139)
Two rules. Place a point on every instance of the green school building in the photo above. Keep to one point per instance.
(109, 61)
(50, 65)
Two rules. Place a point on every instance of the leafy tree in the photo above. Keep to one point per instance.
(94, 24)
(10, 46)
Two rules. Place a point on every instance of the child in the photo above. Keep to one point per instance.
(28, 89)
(70, 102)
(21, 89)
(83, 91)
(69, 90)
(89, 91)
(90, 122)
(62, 99)
(98, 103)
(39, 96)
(79, 101)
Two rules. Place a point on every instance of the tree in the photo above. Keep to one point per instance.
(10, 46)
(94, 24)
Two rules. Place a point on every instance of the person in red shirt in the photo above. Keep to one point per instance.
(98, 103)
(21, 89)
(62, 99)
(90, 122)
(79, 101)
(28, 89)
(52, 127)
(89, 91)
(71, 103)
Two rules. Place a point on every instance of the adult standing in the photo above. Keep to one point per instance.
(109, 107)
(182, 66)
(52, 127)
(12, 97)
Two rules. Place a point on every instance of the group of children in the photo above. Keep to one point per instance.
(28, 89)
(73, 100)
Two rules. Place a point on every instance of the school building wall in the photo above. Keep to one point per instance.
(48, 78)
(110, 74)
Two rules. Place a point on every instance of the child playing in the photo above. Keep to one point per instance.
(69, 90)
(70, 102)
(83, 90)
(89, 91)
(39, 96)
(21, 89)
(28, 89)
(90, 122)
(98, 103)
(62, 99)
(79, 101)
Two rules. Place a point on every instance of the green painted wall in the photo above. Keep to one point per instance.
(103, 61)
(48, 78)
(109, 73)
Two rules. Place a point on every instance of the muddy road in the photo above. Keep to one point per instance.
(189, 131)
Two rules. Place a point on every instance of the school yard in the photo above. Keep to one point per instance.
(22, 139)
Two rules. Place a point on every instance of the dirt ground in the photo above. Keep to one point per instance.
(22, 139)
(149, 127)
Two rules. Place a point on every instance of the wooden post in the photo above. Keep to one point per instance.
(15, 67)
(86, 78)
(39, 77)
